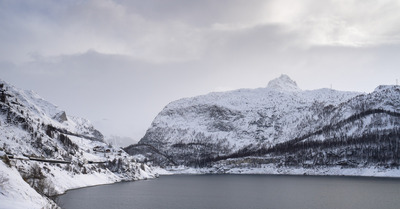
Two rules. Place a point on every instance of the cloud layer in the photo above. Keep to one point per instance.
(118, 62)
(176, 30)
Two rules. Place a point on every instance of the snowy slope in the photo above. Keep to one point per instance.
(35, 134)
(190, 131)
(30, 105)
(16, 193)
(242, 117)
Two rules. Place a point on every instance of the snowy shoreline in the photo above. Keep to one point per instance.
(16, 193)
(349, 172)
(263, 170)
(155, 171)
(274, 170)
(96, 185)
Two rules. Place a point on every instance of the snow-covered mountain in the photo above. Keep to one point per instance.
(269, 122)
(46, 152)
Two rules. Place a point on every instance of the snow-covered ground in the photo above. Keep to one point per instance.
(273, 169)
(16, 193)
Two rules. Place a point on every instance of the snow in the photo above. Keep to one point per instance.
(273, 169)
(384, 87)
(16, 193)
(66, 181)
(26, 135)
(162, 171)
(270, 115)
(283, 83)
(225, 122)
(263, 116)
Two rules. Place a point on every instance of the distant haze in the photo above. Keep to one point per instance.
(118, 63)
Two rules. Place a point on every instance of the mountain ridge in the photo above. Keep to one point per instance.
(208, 129)
(45, 152)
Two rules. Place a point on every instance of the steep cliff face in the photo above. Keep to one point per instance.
(248, 122)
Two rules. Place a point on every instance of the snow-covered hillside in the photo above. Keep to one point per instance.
(260, 122)
(45, 152)
(243, 117)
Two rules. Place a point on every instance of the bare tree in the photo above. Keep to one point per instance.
(3, 180)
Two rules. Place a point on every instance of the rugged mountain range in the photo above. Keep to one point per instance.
(44, 152)
(280, 124)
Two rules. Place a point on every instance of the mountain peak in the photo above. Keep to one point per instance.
(385, 87)
(283, 83)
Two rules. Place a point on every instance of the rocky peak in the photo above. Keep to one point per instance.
(283, 83)
(60, 117)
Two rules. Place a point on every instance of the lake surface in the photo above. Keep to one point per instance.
(239, 191)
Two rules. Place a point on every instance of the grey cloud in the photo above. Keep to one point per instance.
(202, 13)
(125, 60)
(179, 31)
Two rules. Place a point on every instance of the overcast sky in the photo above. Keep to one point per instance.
(119, 62)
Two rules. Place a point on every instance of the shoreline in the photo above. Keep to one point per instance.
(260, 174)
(273, 170)
(234, 171)
(96, 185)
(270, 174)
(120, 180)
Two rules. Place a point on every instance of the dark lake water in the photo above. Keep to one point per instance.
(240, 191)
